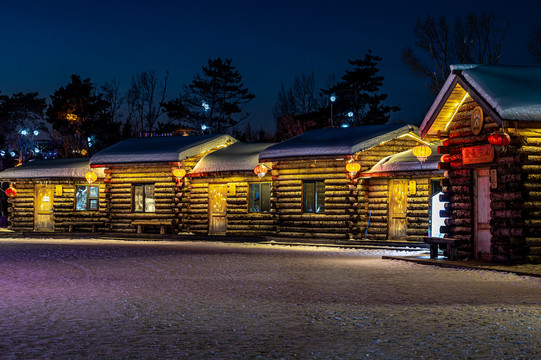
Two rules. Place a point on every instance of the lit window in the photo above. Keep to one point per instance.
(143, 198)
(259, 197)
(86, 198)
(314, 196)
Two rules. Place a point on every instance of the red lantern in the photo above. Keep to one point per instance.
(353, 168)
(260, 170)
(11, 192)
(499, 138)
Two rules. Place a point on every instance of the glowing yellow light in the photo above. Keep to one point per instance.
(456, 110)
(71, 117)
(91, 177)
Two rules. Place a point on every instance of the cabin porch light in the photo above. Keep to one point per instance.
(260, 170)
(353, 168)
(91, 177)
(179, 173)
(499, 139)
(422, 152)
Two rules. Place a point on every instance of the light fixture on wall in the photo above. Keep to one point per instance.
(353, 168)
(499, 139)
(179, 173)
(260, 170)
(422, 152)
(91, 177)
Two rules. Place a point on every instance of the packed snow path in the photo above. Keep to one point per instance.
(113, 299)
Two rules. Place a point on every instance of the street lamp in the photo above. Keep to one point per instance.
(333, 99)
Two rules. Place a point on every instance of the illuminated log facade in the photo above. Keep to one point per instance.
(493, 192)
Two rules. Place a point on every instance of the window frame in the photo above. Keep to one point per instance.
(89, 198)
(260, 211)
(314, 197)
(144, 195)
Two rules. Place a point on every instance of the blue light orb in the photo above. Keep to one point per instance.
(23, 132)
(12, 154)
(36, 150)
(204, 127)
(2, 153)
(333, 98)
(205, 105)
(36, 133)
(345, 125)
(350, 114)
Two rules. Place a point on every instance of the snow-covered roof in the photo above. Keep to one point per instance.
(57, 168)
(511, 92)
(406, 161)
(336, 141)
(159, 149)
(237, 157)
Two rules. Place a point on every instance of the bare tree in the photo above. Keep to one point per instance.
(534, 42)
(111, 93)
(299, 98)
(475, 38)
(145, 99)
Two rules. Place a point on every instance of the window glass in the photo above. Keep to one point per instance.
(265, 197)
(138, 198)
(93, 192)
(253, 198)
(320, 196)
(93, 204)
(309, 197)
(80, 198)
(150, 202)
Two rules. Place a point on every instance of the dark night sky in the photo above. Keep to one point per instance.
(44, 42)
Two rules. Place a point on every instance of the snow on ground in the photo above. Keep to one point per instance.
(153, 300)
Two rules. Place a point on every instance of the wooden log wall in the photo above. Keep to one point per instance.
(339, 219)
(373, 194)
(21, 211)
(507, 199)
(527, 183)
(240, 222)
(22, 208)
(120, 180)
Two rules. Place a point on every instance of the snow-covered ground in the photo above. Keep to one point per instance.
(116, 299)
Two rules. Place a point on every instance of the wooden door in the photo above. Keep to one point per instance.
(43, 208)
(217, 209)
(482, 237)
(398, 202)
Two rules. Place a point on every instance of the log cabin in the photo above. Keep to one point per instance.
(226, 197)
(314, 195)
(408, 190)
(489, 119)
(144, 178)
(54, 195)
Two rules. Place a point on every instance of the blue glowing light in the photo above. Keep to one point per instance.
(12, 154)
(345, 125)
(2, 153)
(36, 133)
(23, 132)
(350, 114)
(205, 106)
(204, 127)
(333, 98)
(36, 150)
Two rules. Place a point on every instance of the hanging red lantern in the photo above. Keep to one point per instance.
(260, 170)
(11, 192)
(499, 138)
(353, 168)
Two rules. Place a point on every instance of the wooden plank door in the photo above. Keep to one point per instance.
(482, 237)
(217, 209)
(398, 203)
(43, 208)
